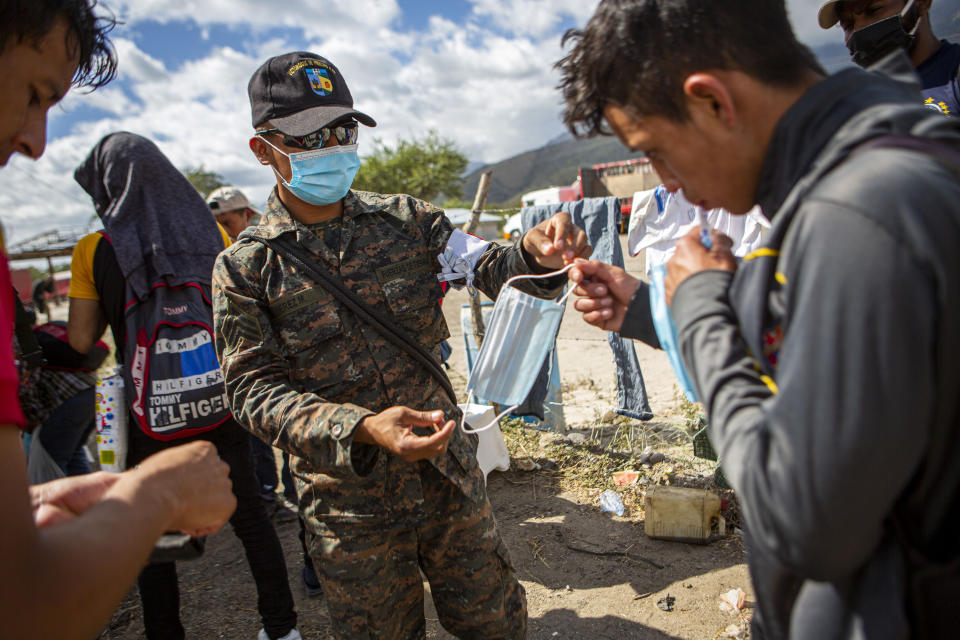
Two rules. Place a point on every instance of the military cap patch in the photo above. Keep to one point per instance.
(319, 81)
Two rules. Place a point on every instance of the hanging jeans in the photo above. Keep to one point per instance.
(600, 219)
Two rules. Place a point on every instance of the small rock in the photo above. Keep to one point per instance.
(645, 456)
(576, 438)
(734, 631)
(569, 589)
(656, 457)
(547, 438)
(688, 586)
(526, 464)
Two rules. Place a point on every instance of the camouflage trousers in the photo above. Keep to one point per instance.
(373, 586)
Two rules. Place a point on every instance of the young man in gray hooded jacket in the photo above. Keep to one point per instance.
(826, 359)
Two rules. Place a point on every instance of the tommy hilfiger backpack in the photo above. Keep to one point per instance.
(172, 379)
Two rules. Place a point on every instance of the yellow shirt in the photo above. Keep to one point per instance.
(82, 284)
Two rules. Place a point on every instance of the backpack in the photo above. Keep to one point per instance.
(172, 378)
(55, 345)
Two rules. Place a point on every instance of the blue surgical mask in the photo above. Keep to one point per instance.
(663, 319)
(521, 331)
(321, 176)
(667, 330)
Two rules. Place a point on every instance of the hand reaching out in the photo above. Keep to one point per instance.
(604, 293)
(556, 242)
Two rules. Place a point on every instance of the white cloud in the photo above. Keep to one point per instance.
(197, 114)
(533, 17)
(135, 65)
(487, 82)
(315, 17)
(803, 17)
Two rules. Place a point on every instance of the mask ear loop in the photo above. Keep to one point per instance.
(490, 425)
(916, 24)
(282, 179)
(508, 283)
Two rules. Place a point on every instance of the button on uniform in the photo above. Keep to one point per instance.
(336, 430)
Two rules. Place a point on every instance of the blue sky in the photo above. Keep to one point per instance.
(478, 71)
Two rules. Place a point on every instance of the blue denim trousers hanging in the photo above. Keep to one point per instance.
(600, 219)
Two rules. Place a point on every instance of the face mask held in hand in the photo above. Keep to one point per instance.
(663, 320)
(521, 331)
(321, 176)
(869, 44)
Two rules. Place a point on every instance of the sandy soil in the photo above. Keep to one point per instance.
(587, 574)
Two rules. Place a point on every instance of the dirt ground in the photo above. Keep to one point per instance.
(587, 573)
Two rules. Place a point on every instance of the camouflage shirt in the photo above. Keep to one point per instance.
(301, 370)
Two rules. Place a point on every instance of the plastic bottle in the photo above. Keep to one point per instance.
(610, 501)
(112, 435)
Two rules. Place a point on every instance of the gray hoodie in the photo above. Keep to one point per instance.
(828, 362)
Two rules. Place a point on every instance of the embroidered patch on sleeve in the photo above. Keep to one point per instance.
(240, 328)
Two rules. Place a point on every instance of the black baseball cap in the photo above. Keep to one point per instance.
(299, 93)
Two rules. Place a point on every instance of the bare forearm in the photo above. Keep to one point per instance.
(85, 324)
(70, 549)
(74, 574)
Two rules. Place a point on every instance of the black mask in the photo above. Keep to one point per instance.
(876, 40)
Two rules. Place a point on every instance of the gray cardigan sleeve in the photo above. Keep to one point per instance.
(820, 454)
(638, 320)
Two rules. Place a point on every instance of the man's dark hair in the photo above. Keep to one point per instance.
(31, 20)
(636, 54)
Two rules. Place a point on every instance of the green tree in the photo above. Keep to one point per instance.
(423, 168)
(202, 180)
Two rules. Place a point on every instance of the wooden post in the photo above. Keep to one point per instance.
(479, 330)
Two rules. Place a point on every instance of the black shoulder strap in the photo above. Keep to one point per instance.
(30, 350)
(374, 318)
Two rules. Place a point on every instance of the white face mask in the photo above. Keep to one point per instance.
(521, 331)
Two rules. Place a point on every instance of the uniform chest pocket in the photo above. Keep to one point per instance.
(413, 297)
(410, 284)
(308, 324)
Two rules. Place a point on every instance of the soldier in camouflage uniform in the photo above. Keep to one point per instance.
(388, 485)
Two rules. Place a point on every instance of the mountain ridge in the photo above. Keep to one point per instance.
(554, 164)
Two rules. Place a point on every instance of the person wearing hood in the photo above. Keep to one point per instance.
(158, 229)
(71, 548)
(873, 29)
(826, 359)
